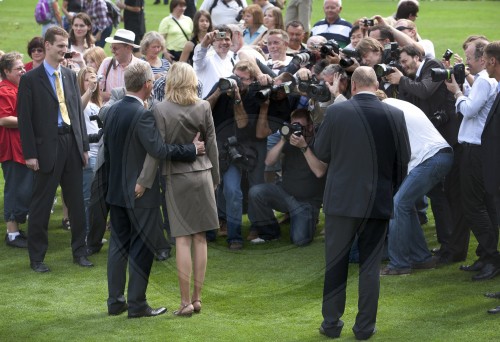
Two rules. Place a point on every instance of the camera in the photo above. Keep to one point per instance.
(329, 48)
(391, 54)
(220, 35)
(68, 55)
(458, 70)
(100, 78)
(306, 57)
(447, 54)
(351, 53)
(227, 84)
(368, 22)
(316, 90)
(263, 93)
(382, 70)
(94, 138)
(236, 154)
(291, 128)
(439, 118)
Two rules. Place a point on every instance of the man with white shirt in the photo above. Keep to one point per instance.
(210, 66)
(478, 205)
(277, 43)
(431, 159)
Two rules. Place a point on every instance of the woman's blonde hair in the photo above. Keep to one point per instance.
(96, 95)
(182, 84)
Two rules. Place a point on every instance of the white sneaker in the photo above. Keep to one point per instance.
(257, 241)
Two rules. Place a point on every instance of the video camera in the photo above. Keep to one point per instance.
(458, 70)
(291, 128)
(94, 138)
(316, 90)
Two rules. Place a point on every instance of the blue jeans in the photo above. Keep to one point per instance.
(88, 177)
(17, 191)
(105, 34)
(263, 198)
(230, 200)
(406, 239)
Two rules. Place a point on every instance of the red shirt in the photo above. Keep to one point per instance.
(10, 140)
(28, 66)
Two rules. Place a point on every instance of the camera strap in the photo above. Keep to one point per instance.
(110, 65)
(184, 33)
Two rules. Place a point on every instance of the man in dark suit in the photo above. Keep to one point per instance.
(129, 134)
(490, 139)
(365, 143)
(55, 146)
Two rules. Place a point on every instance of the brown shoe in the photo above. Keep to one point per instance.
(425, 265)
(235, 246)
(222, 228)
(253, 234)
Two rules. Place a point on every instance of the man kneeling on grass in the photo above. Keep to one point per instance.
(301, 190)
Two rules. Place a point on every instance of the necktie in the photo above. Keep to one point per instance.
(62, 101)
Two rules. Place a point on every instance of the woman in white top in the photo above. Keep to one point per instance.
(224, 12)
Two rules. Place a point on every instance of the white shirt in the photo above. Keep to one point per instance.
(425, 140)
(475, 108)
(223, 14)
(210, 67)
(92, 128)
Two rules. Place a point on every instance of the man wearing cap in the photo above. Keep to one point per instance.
(113, 68)
(55, 146)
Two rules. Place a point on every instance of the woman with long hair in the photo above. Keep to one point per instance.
(190, 193)
(80, 34)
(202, 24)
(94, 56)
(92, 102)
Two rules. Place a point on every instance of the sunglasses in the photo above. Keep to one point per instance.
(39, 50)
(402, 28)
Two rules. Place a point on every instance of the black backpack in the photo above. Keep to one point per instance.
(216, 1)
(113, 12)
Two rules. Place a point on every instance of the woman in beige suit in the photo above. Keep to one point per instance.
(190, 187)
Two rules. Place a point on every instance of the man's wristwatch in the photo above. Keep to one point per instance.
(304, 149)
(237, 102)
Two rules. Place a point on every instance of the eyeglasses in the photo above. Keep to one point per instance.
(402, 28)
(18, 68)
(39, 50)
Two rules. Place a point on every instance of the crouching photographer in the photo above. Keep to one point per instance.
(301, 190)
(241, 141)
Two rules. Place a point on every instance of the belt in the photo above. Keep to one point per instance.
(446, 150)
(64, 129)
(469, 144)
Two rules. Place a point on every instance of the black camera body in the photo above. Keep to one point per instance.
(316, 90)
(368, 22)
(329, 48)
(228, 84)
(262, 93)
(94, 138)
(382, 70)
(458, 70)
(306, 57)
(439, 118)
(447, 54)
(390, 60)
(291, 128)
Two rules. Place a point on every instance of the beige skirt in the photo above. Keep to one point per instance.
(191, 205)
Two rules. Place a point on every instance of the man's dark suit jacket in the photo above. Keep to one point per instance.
(430, 97)
(38, 117)
(490, 148)
(129, 134)
(368, 153)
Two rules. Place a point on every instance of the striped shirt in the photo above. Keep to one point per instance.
(339, 31)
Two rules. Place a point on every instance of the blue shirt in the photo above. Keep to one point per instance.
(49, 70)
(249, 38)
(475, 108)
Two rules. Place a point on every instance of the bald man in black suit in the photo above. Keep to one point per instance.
(366, 145)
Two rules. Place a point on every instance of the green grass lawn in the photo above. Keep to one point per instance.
(269, 292)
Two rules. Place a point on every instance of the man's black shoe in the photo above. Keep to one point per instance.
(163, 255)
(492, 295)
(93, 250)
(494, 310)
(148, 312)
(489, 271)
(333, 332)
(82, 261)
(475, 267)
(20, 241)
(39, 267)
(119, 311)
(365, 336)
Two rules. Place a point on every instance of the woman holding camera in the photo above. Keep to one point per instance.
(190, 193)
(92, 102)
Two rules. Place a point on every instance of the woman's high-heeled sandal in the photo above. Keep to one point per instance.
(197, 308)
(182, 312)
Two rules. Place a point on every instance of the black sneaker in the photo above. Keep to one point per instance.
(20, 241)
